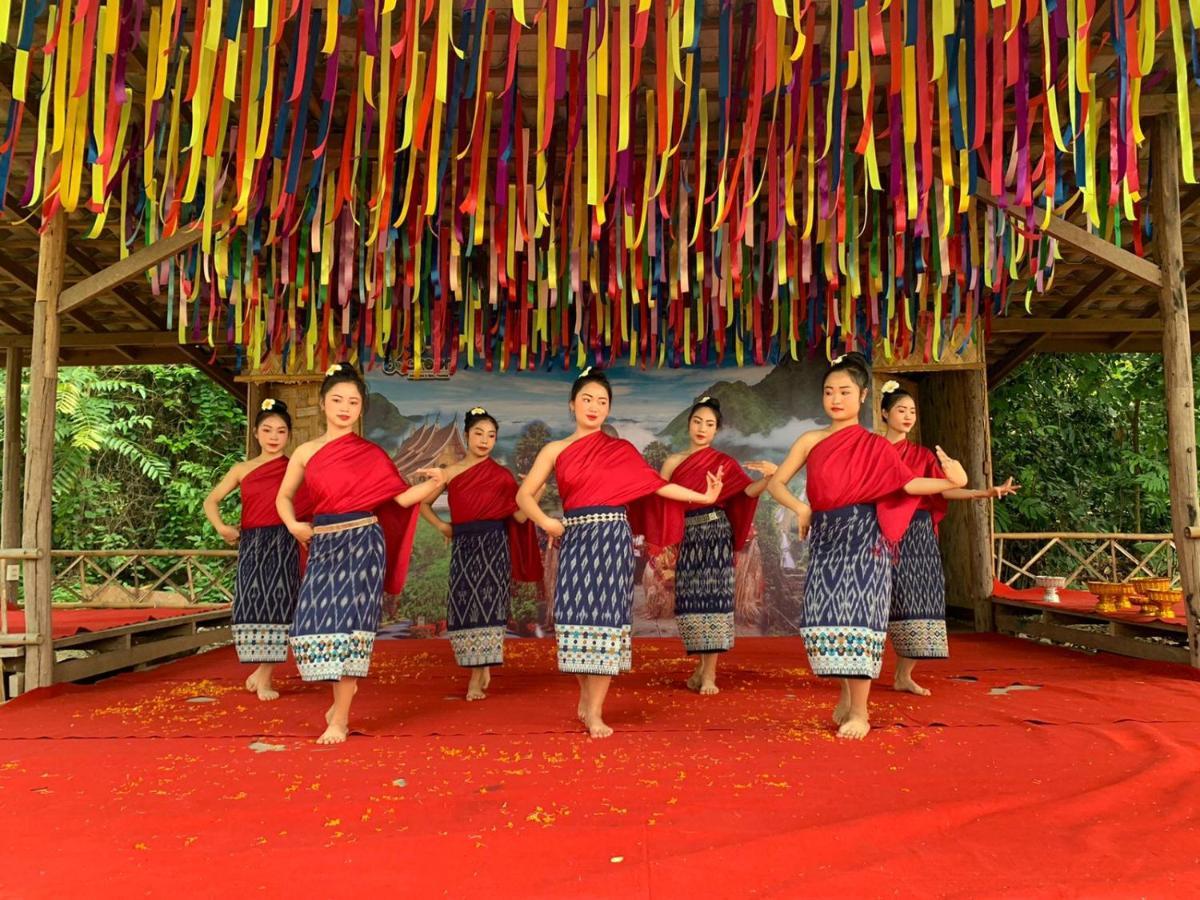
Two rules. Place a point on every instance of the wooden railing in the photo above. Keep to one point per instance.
(1081, 557)
(144, 577)
(134, 578)
(11, 556)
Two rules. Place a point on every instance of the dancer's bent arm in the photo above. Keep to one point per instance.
(212, 504)
(285, 499)
(777, 485)
(956, 477)
(534, 483)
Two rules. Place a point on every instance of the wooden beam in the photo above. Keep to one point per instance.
(12, 321)
(223, 377)
(1119, 325)
(39, 460)
(1038, 343)
(1177, 368)
(1091, 244)
(10, 514)
(130, 267)
(137, 356)
(954, 414)
(113, 340)
(1137, 343)
(29, 279)
(1150, 105)
(1030, 345)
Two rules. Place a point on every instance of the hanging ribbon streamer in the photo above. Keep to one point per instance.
(389, 181)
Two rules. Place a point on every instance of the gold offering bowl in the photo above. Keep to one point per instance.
(1163, 602)
(1113, 595)
(1144, 586)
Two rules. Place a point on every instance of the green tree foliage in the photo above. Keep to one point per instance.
(1086, 436)
(136, 451)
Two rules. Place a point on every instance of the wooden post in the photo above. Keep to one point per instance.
(39, 461)
(1177, 366)
(954, 413)
(10, 517)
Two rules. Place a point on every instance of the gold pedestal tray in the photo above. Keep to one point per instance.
(1163, 602)
(1113, 595)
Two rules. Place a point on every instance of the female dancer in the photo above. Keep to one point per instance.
(712, 535)
(862, 497)
(493, 543)
(917, 615)
(268, 565)
(360, 543)
(607, 495)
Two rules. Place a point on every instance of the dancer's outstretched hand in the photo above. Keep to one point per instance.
(433, 473)
(1001, 491)
(716, 481)
(952, 467)
(763, 466)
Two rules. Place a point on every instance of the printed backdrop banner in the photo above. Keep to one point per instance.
(419, 423)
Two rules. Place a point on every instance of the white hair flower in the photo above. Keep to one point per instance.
(585, 373)
(267, 404)
(889, 387)
(705, 399)
(477, 411)
(333, 370)
(838, 361)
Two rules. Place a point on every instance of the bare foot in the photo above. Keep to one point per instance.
(841, 712)
(906, 683)
(854, 728)
(693, 683)
(329, 716)
(334, 734)
(476, 686)
(259, 683)
(596, 727)
(708, 687)
(486, 681)
(581, 712)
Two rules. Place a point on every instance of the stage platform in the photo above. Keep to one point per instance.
(92, 641)
(1032, 771)
(1075, 621)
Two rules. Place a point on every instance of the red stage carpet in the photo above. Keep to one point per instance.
(1032, 771)
(67, 622)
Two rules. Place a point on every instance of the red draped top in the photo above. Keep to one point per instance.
(738, 508)
(351, 474)
(259, 490)
(923, 463)
(488, 491)
(599, 470)
(854, 466)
